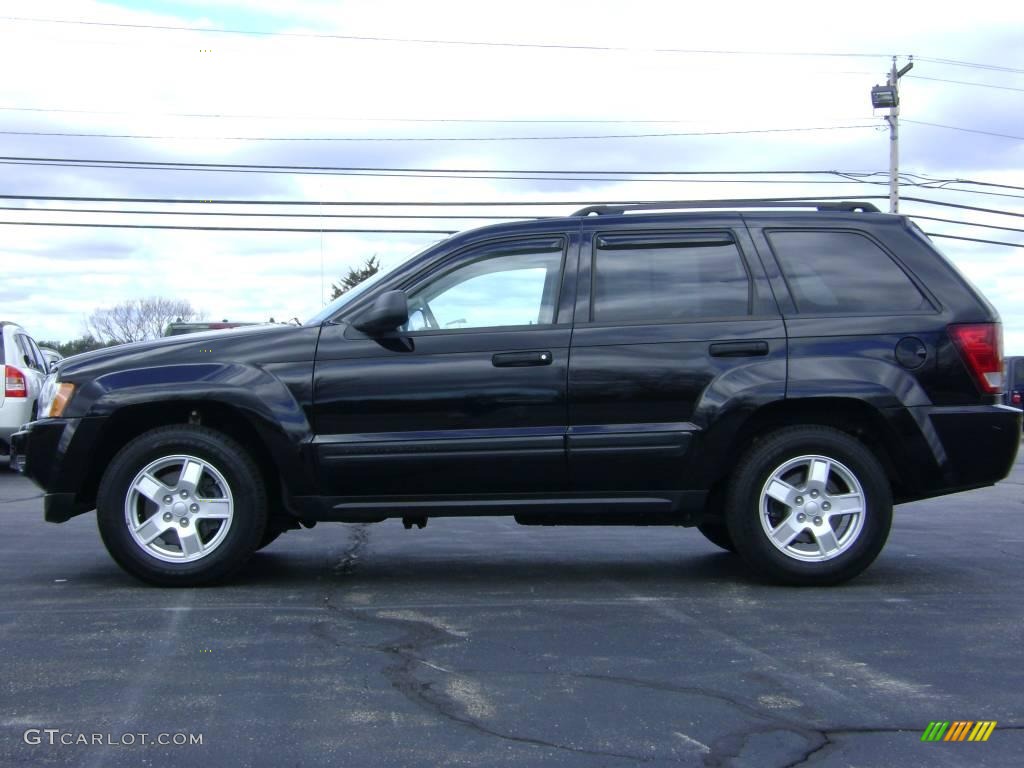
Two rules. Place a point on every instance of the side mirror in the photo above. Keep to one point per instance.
(388, 312)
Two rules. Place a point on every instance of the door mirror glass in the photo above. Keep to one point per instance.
(389, 311)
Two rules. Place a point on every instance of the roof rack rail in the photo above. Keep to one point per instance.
(850, 206)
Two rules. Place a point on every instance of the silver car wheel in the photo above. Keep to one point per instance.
(179, 509)
(812, 508)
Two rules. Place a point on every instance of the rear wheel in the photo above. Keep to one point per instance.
(809, 506)
(182, 506)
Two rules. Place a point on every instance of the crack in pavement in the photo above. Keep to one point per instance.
(408, 652)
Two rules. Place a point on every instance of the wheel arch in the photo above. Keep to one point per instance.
(278, 462)
(858, 418)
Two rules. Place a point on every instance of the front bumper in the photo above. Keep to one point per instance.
(53, 453)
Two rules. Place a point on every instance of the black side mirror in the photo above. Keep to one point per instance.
(388, 312)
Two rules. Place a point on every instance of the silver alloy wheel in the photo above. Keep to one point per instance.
(812, 508)
(179, 509)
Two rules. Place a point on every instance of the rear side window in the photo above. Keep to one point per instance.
(668, 278)
(843, 273)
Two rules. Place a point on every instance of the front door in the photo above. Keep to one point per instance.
(467, 400)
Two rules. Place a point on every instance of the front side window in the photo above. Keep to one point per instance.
(843, 273)
(511, 284)
(668, 278)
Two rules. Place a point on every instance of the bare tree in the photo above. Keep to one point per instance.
(139, 319)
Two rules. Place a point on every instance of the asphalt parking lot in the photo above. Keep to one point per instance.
(480, 643)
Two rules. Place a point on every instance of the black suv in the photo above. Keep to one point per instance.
(776, 377)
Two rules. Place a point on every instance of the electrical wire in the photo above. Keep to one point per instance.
(964, 223)
(965, 130)
(353, 119)
(266, 215)
(434, 41)
(439, 203)
(436, 138)
(228, 229)
(976, 240)
(964, 82)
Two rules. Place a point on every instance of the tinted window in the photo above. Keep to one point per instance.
(668, 278)
(843, 272)
(504, 285)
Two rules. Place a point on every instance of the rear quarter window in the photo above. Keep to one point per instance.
(839, 272)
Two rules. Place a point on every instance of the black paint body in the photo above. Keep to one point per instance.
(622, 423)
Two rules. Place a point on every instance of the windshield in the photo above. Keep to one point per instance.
(360, 289)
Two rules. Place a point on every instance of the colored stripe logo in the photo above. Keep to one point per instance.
(959, 730)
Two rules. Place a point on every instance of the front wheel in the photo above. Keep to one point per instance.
(809, 506)
(181, 506)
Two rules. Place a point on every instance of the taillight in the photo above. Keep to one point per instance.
(14, 382)
(1015, 400)
(981, 347)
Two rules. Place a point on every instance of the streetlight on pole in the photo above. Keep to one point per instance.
(888, 97)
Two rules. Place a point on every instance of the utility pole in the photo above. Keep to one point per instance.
(889, 96)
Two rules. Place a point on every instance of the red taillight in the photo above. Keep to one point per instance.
(14, 382)
(1015, 400)
(981, 347)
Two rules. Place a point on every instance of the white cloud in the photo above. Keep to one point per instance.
(61, 274)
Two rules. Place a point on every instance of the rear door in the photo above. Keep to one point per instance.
(675, 331)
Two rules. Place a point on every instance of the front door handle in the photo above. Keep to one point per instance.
(739, 349)
(521, 359)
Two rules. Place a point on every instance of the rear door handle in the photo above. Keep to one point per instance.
(521, 359)
(739, 349)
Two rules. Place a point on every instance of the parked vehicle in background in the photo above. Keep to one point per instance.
(1015, 381)
(776, 378)
(51, 356)
(24, 369)
(179, 329)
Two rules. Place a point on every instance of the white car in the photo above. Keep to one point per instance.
(24, 369)
(51, 356)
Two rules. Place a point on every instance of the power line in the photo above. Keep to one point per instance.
(352, 119)
(971, 64)
(228, 229)
(621, 179)
(572, 174)
(265, 215)
(964, 223)
(435, 41)
(441, 203)
(659, 172)
(441, 217)
(964, 82)
(961, 206)
(965, 130)
(976, 240)
(434, 138)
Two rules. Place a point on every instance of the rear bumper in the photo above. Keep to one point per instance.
(53, 453)
(958, 448)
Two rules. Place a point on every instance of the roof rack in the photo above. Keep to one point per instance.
(849, 206)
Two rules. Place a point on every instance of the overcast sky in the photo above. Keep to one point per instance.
(188, 95)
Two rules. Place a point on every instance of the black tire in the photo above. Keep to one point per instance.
(717, 534)
(219, 454)
(857, 545)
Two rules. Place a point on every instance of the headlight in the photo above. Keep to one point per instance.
(54, 397)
